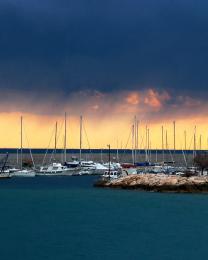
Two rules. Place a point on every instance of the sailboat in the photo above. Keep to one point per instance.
(77, 164)
(4, 171)
(54, 168)
(74, 164)
(22, 172)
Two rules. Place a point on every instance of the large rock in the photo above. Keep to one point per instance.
(159, 182)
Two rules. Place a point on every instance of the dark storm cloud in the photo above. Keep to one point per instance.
(67, 46)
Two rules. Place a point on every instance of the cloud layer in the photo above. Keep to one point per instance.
(150, 104)
(115, 45)
(108, 60)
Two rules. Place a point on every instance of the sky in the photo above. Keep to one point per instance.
(107, 60)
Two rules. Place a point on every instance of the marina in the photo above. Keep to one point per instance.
(112, 163)
(103, 130)
(93, 167)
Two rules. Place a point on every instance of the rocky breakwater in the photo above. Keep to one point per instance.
(159, 183)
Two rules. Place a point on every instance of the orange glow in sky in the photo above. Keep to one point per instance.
(38, 130)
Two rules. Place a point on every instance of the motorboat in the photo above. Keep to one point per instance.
(100, 167)
(53, 169)
(113, 166)
(89, 165)
(72, 165)
(112, 174)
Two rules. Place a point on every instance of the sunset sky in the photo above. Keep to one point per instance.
(108, 61)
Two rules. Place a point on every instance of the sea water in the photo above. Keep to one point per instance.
(67, 218)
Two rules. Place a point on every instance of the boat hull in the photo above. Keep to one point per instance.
(23, 173)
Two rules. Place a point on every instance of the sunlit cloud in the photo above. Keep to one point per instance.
(148, 104)
(155, 99)
(106, 114)
(133, 98)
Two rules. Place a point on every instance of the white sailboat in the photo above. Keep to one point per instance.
(74, 164)
(55, 168)
(22, 172)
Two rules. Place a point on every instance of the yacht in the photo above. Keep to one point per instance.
(72, 164)
(89, 165)
(53, 169)
(93, 167)
(113, 166)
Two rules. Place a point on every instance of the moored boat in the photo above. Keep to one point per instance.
(23, 173)
(4, 175)
(53, 169)
(112, 174)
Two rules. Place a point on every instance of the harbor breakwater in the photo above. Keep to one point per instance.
(159, 183)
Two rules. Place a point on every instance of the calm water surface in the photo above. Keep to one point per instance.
(66, 218)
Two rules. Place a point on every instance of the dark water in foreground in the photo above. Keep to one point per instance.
(65, 218)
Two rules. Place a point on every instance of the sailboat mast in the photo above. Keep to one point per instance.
(163, 145)
(133, 143)
(109, 159)
(80, 141)
(200, 143)
(135, 138)
(117, 156)
(55, 141)
(194, 151)
(185, 140)
(156, 155)
(174, 136)
(146, 142)
(21, 146)
(65, 137)
(17, 157)
(101, 155)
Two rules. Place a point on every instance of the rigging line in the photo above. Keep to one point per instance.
(184, 155)
(192, 137)
(141, 143)
(24, 129)
(125, 147)
(43, 162)
(128, 140)
(52, 154)
(171, 156)
(59, 133)
(88, 143)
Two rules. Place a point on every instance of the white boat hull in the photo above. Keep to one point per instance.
(5, 175)
(23, 173)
